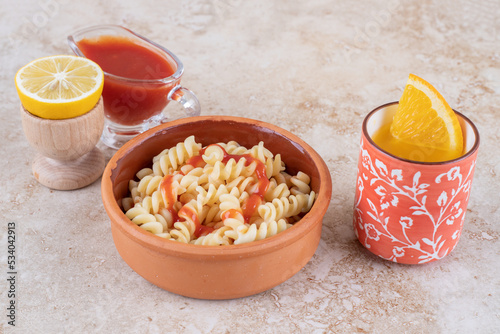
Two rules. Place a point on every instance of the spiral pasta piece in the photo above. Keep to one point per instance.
(234, 223)
(182, 232)
(242, 196)
(242, 183)
(127, 203)
(184, 229)
(274, 166)
(167, 216)
(140, 215)
(266, 230)
(300, 184)
(134, 193)
(249, 233)
(217, 238)
(284, 207)
(148, 184)
(171, 159)
(213, 154)
(228, 202)
(230, 170)
(260, 152)
(189, 182)
(213, 216)
(212, 195)
(276, 190)
(144, 172)
(233, 148)
(147, 204)
(153, 227)
(244, 234)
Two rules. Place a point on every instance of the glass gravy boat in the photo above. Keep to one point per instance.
(140, 79)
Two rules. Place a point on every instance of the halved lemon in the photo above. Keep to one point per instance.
(59, 87)
(425, 119)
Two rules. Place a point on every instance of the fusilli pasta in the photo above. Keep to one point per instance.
(222, 194)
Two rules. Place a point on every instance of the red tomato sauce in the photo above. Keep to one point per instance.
(128, 102)
(199, 228)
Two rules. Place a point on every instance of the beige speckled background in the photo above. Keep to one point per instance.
(312, 67)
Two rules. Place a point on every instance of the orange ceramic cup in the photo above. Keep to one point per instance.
(406, 211)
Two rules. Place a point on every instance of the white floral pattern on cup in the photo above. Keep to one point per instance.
(406, 212)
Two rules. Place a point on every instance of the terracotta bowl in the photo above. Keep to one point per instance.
(215, 272)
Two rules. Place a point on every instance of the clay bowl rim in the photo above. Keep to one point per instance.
(151, 241)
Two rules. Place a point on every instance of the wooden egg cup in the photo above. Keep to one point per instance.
(67, 157)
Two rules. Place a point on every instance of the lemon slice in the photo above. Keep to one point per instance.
(59, 87)
(425, 119)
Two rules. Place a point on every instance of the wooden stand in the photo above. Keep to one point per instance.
(67, 158)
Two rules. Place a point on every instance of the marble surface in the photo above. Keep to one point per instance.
(315, 68)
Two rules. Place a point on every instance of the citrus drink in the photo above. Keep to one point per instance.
(386, 141)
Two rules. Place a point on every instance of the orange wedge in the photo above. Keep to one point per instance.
(425, 119)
